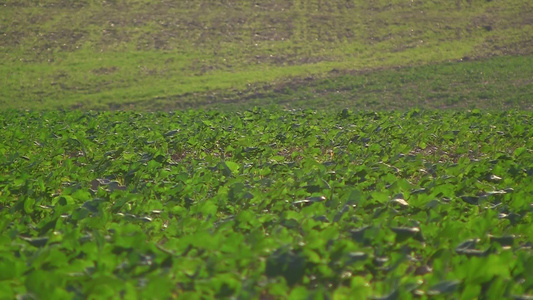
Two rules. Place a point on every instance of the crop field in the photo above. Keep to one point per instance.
(266, 204)
(278, 149)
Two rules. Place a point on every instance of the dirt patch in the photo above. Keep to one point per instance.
(499, 45)
(45, 4)
(482, 22)
(105, 70)
(66, 40)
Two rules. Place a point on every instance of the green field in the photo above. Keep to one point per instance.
(266, 204)
(304, 149)
(165, 55)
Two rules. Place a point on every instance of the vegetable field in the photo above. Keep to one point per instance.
(266, 204)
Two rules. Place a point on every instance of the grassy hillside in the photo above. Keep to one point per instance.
(173, 54)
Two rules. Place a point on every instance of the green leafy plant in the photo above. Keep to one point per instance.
(266, 203)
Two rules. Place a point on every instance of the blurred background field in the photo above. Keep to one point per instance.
(154, 55)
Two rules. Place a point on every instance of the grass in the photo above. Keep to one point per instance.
(129, 54)
(494, 84)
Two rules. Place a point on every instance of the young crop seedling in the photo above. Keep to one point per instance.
(266, 204)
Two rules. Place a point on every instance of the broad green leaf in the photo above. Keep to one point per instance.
(232, 166)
